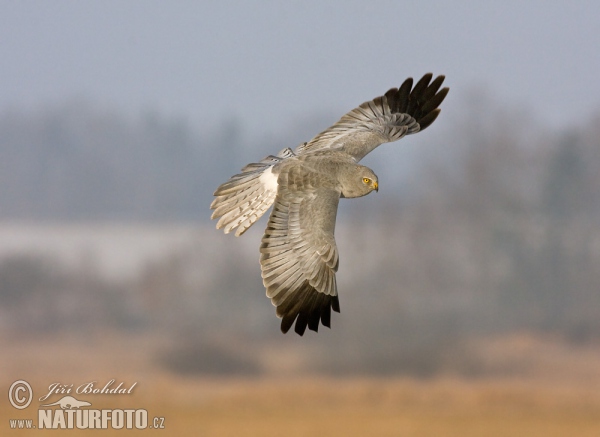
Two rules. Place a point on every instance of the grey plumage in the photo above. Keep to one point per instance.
(298, 254)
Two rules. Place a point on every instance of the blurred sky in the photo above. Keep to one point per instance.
(266, 62)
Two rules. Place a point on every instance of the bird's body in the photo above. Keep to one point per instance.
(299, 256)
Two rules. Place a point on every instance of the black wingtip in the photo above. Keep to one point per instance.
(402, 96)
(425, 98)
(335, 304)
(421, 101)
(433, 88)
(422, 85)
(286, 324)
(310, 309)
(300, 327)
(435, 101)
(426, 121)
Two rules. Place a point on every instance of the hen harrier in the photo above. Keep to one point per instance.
(298, 254)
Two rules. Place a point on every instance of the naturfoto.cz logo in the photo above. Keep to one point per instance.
(70, 412)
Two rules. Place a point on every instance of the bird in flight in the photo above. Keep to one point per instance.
(298, 254)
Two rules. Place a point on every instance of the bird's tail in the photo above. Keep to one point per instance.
(245, 197)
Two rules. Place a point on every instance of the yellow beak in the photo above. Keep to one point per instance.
(376, 185)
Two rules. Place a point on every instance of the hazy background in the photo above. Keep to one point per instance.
(478, 258)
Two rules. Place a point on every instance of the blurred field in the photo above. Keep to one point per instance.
(554, 391)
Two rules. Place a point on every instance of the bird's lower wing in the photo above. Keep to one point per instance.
(401, 111)
(299, 257)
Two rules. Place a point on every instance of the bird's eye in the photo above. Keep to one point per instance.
(366, 180)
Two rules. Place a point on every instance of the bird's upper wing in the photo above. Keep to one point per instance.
(401, 111)
(299, 256)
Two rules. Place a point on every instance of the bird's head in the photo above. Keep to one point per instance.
(358, 181)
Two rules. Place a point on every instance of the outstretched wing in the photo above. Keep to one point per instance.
(401, 111)
(299, 257)
(245, 197)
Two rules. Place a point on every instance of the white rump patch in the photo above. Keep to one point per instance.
(269, 180)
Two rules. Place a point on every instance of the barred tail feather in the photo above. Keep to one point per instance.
(245, 197)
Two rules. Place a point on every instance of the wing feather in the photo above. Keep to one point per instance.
(299, 257)
(387, 118)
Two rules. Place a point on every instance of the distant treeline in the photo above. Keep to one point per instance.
(77, 162)
(499, 232)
